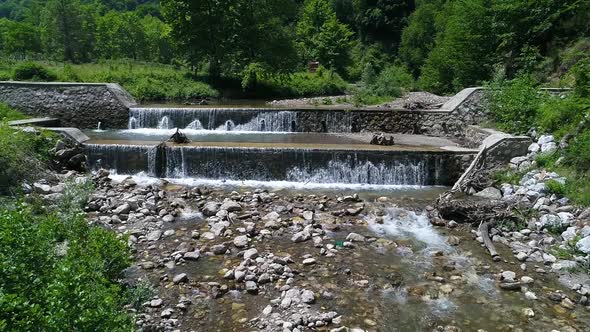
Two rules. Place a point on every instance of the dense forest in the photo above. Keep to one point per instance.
(435, 45)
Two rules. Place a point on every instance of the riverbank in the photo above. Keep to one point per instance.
(274, 260)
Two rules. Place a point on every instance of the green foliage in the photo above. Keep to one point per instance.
(555, 187)
(514, 103)
(321, 83)
(24, 156)
(464, 51)
(69, 266)
(578, 153)
(7, 113)
(32, 71)
(546, 160)
(417, 39)
(322, 36)
(139, 294)
(561, 115)
(506, 176)
(389, 84)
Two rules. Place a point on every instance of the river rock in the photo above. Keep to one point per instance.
(192, 255)
(354, 237)
(301, 236)
(308, 261)
(307, 296)
(122, 209)
(544, 139)
(210, 209)
(241, 241)
(508, 276)
(155, 303)
(219, 249)
(250, 253)
(548, 147)
(569, 234)
(182, 277)
(154, 235)
(584, 245)
(490, 193)
(534, 148)
(308, 215)
(231, 206)
(251, 287)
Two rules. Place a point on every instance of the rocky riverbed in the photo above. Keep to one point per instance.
(264, 260)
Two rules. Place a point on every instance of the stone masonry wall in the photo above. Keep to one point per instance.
(75, 104)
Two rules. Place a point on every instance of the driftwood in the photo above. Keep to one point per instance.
(179, 138)
(473, 210)
(484, 230)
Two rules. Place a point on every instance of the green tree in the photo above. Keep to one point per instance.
(464, 52)
(322, 37)
(18, 39)
(68, 29)
(417, 39)
(120, 35)
(382, 21)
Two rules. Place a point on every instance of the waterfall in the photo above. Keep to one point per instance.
(195, 125)
(125, 159)
(164, 123)
(221, 119)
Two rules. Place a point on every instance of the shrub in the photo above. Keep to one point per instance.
(7, 113)
(561, 116)
(555, 187)
(31, 71)
(24, 156)
(389, 84)
(514, 103)
(59, 274)
(578, 153)
(546, 160)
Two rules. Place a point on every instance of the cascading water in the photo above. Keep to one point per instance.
(125, 159)
(221, 119)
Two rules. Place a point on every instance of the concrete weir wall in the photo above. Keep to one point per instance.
(80, 105)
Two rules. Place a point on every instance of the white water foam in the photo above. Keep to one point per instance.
(144, 179)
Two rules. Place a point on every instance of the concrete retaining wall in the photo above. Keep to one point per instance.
(80, 105)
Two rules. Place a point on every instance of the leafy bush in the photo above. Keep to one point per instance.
(561, 116)
(514, 103)
(546, 160)
(24, 156)
(389, 84)
(555, 187)
(31, 71)
(578, 153)
(7, 113)
(59, 274)
(301, 84)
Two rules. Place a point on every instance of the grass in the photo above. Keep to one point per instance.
(9, 114)
(507, 176)
(149, 82)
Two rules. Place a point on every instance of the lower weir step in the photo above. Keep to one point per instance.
(374, 167)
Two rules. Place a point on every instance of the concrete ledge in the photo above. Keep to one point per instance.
(39, 122)
(73, 133)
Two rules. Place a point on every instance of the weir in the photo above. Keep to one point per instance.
(266, 144)
(279, 164)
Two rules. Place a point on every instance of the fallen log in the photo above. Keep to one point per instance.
(484, 230)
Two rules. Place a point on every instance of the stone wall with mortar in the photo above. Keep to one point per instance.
(80, 105)
(464, 109)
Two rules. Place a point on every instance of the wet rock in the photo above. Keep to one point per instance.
(508, 276)
(309, 261)
(154, 235)
(251, 287)
(250, 254)
(510, 285)
(307, 296)
(528, 312)
(219, 249)
(530, 295)
(210, 209)
(231, 206)
(354, 237)
(179, 278)
(192, 255)
(267, 310)
(241, 241)
(301, 236)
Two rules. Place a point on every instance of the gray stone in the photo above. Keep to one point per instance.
(508, 276)
(250, 253)
(354, 237)
(231, 206)
(210, 209)
(122, 209)
(308, 261)
(307, 296)
(241, 241)
(584, 245)
(534, 148)
(563, 265)
(182, 277)
(192, 255)
(301, 236)
(219, 249)
(251, 287)
(548, 147)
(154, 235)
(155, 303)
(569, 234)
(490, 193)
(544, 139)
